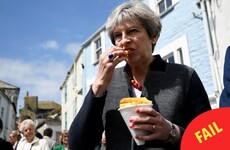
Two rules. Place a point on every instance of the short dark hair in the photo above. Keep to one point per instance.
(48, 132)
(1, 124)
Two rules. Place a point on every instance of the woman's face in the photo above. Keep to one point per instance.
(134, 39)
(65, 138)
(13, 139)
(29, 133)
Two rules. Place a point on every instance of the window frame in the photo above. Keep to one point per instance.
(167, 58)
(65, 93)
(179, 49)
(95, 49)
(166, 8)
(66, 121)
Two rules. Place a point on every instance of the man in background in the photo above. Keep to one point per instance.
(47, 135)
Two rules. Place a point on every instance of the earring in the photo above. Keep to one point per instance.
(155, 40)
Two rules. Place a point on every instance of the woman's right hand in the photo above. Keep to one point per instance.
(106, 68)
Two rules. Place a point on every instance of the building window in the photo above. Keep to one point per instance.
(40, 116)
(97, 49)
(170, 58)
(180, 56)
(76, 106)
(65, 121)
(65, 93)
(2, 112)
(75, 74)
(174, 57)
(176, 52)
(164, 5)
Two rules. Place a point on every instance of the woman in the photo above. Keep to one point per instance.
(14, 138)
(176, 91)
(63, 141)
(31, 142)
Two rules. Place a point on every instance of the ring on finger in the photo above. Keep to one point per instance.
(110, 56)
(153, 128)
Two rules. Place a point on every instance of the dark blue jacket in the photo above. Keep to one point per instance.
(225, 95)
(5, 145)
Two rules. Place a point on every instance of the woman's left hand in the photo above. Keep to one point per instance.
(152, 122)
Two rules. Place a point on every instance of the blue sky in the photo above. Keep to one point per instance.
(39, 40)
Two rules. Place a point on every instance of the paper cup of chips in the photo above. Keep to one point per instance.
(128, 108)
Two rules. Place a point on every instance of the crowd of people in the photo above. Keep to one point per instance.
(26, 137)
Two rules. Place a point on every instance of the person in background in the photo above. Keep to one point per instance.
(14, 138)
(20, 120)
(31, 142)
(103, 141)
(225, 95)
(24, 117)
(4, 145)
(102, 144)
(63, 141)
(176, 91)
(47, 135)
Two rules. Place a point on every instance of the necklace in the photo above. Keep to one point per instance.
(132, 81)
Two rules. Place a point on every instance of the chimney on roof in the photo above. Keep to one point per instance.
(27, 93)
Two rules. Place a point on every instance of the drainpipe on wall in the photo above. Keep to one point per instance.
(212, 46)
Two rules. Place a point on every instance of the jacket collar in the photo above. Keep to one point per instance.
(158, 64)
(34, 140)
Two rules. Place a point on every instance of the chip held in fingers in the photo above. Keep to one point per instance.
(133, 101)
(126, 53)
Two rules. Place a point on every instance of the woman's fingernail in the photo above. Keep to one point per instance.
(131, 125)
(130, 120)
(137, 110)
(137, 137)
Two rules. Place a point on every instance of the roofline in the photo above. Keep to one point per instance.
(12, 86)
(9, 100)
(72, 66)
(86, 42)
(93, 36)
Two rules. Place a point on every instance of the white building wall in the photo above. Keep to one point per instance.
(11, 120)
(7, 114)
(73, 87)
(78, 85)
(220, 11)
(68, 101)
